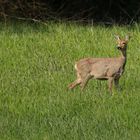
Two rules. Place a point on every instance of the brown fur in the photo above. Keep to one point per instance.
(109, 69)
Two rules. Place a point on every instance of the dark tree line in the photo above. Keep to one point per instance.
(120, 11)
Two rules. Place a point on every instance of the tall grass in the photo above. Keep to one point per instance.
(36, 65)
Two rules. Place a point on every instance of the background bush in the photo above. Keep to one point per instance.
(108, 11)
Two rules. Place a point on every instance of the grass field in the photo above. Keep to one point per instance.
(37, 64)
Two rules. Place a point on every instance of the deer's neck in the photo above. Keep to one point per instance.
(124, 57)
(123, 54)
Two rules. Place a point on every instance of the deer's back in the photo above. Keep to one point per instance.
(101, 67)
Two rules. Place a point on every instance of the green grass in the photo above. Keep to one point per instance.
(37, 64)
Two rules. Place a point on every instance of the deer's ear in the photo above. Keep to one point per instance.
(117, 37)
(127, 38)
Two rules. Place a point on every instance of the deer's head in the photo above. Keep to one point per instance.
(122, 43)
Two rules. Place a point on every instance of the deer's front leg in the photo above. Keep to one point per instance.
(116, 82)
(110, 83)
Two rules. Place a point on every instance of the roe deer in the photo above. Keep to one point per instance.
(109, 69)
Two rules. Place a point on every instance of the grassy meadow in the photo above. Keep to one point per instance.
(36, 66)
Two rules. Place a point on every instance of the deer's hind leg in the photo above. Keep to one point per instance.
(76, 82)
(85, 80)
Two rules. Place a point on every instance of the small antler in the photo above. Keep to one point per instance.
(127, 37)
(117, 37)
